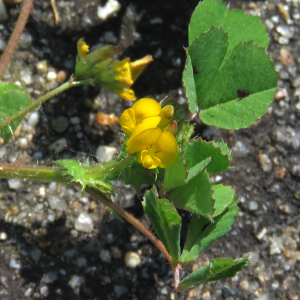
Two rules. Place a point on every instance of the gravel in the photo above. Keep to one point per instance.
(58, 244)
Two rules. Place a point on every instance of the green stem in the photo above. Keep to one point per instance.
(41, 100)
(32, 173)
(99, 170)
(55, 174)
(133, 221)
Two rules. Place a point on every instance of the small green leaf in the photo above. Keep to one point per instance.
(134, 174)
(185, 131)
(74, 171)
(198, 151)
(189, 85)
(239, 26)
(223, 195)
(176, 174)
(195, 196)
(198, 239)
(165, 220)
(12, 100)
(220, 268)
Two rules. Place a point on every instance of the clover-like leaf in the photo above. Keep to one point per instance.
(219, 268)
(12, 100)
(166, 221)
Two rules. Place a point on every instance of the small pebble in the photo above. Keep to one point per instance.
(36, 254)
(25, 41)
(60, 124)
(105, 255)
(51, 75)
(33, 119)
(41, 66)
(262, 233)
(120, 290)
(57, 204)
(111, 7)
(84, 223)
(61, 76)
(3, 236)
(105, 153)
(59, 145)
(76, 281)
(265, 162)
(14, 184)
(253, 205)
(23, 143)
(286, 31)
(81, 262)
(132, 259)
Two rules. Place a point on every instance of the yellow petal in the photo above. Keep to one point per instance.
(145, 108)
(138, 66)
(165, 149)
(143, 141)
(145, 124)
(147, 160)
(127, 121)
(167, 113)
(82, 48)
(126, 94)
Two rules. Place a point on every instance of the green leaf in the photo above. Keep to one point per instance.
(165, 220)
(233, 91)
(199, 237)
(239, 26)
(195, 196)
(185, 131)
(220, 268)
(199, 151)
(134, 174)
(74, 171)
(189, 85)
(242, 89)
(223, 195)
(12, 100)
(176, 174)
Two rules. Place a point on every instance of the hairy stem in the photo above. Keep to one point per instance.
(99, 170)
(41, 100)
(14, 39)
(133, 221)
(32, 173)
(55, 174)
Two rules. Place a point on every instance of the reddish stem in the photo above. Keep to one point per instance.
(14, 39)
(177, 277)
(133, 221)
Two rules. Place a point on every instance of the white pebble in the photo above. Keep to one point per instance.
(3, 236)
(23, 143)
(253, 205)
(105, 153)
(84, 223)
(111, 6)
(132, 259)
(14, 184)
(59, 145)
(51, 75)
(56, 203)
(33, 119)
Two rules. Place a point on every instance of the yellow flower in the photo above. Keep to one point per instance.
(156, 148)
(140, 111)
(117, 76)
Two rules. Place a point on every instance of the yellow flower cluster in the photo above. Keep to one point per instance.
(151, 133)
(117, 76)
